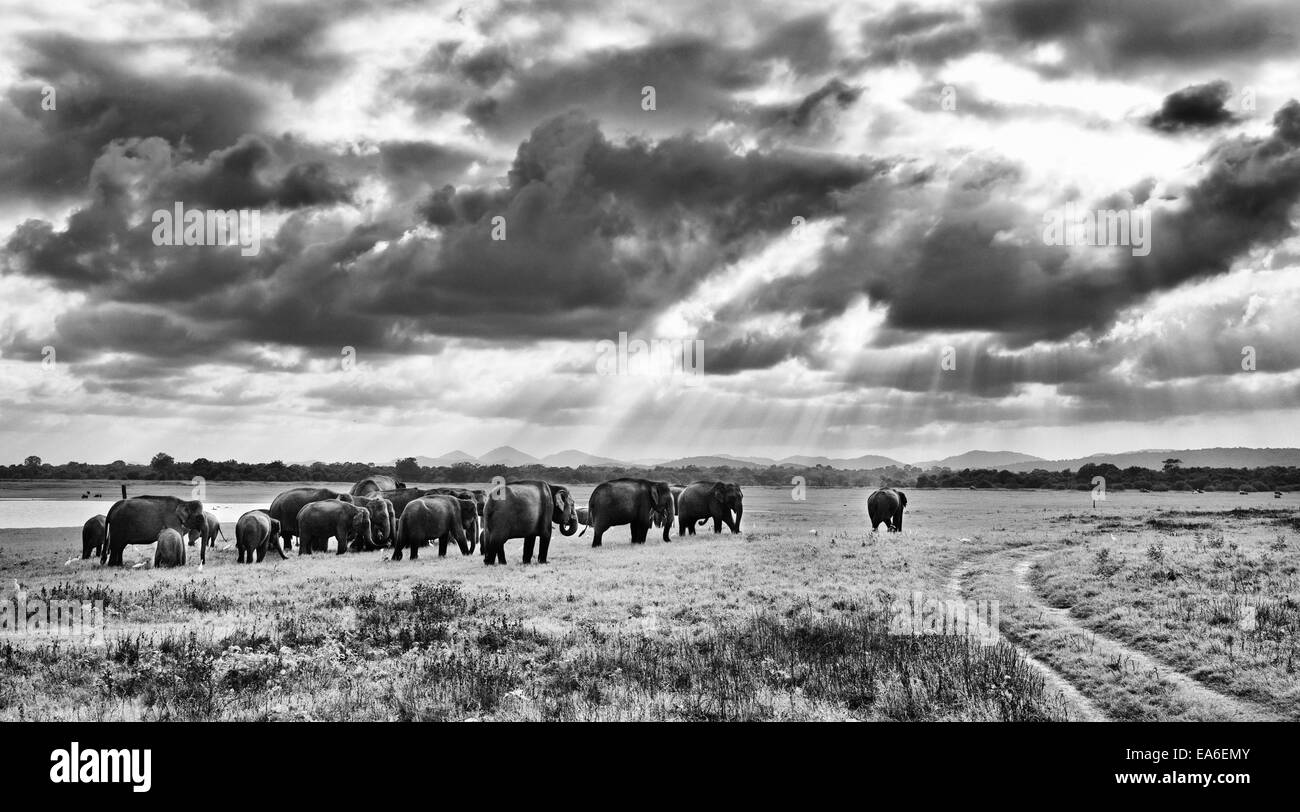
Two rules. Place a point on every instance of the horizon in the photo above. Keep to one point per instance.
(541, 458)
(904, 229)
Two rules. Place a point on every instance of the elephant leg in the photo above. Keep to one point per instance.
(543, 547)
(639, 532)
(501, 552)
(305, 544)
(599, 528)
(529, 541)
(442, 545)
(489, 550)
(717, 522)
(287, 539)
(681, 525)
(115, 554)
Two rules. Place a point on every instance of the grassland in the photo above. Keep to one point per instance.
(776, 623)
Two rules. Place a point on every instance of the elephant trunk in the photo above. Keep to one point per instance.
(570, 524)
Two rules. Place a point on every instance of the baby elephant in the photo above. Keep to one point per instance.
(170, 551)
(435, 517)
(254, 532)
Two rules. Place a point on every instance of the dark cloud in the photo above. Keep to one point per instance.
(806, 44)
(695, 79)
(600, 236)
(798, 116)
(963, 256)
(486, 66)
(1103, 36)
(49, 153)
(243, 176)
(413, 167)
(906, 33)
(288, 43)
(1114, 35)
(1197, 107)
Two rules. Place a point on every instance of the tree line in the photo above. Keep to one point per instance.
(164, 467)
(1173, 478)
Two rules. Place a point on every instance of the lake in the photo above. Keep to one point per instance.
(41, 503)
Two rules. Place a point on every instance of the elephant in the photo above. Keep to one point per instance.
(170, 551)
(701, 501)
(638, 502)
(211, 529)
(401, 497)
(92, 536)
(886, 505)
(526, 510)
(140, 519)
(346, 522)
(285, 507)
(478, 497)
(254, 531)
(584, 518)
(438, 517)
(374, 484)
(383, 519)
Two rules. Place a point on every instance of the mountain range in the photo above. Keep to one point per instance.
(1010, 460)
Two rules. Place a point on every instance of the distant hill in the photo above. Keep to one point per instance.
(983, 459)
(505, 455)
(450, 458)
(712, 461)
(855, 463)
(574, 459)
(1010, 460)
(1191, 458)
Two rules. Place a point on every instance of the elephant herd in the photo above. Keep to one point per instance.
(379, 513)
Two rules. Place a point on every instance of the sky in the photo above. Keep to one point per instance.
(469, 215)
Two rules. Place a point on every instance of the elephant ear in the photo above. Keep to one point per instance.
(718, 492)
(186, 512)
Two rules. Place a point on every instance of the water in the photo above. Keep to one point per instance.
(61, 513)
(60, 505)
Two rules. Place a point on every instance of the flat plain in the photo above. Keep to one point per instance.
(1146, 606)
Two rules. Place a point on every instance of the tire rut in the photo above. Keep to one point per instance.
(1079, 707)
(1224, 707)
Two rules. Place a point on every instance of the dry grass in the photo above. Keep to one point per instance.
(777, 623)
